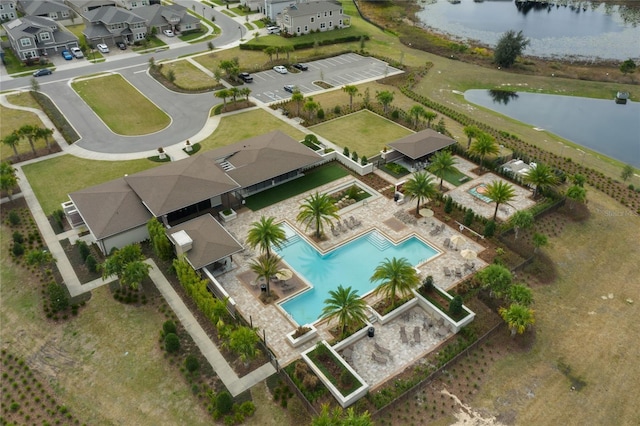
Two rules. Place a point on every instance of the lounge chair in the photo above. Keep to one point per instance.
(469, 266)
(447, 241)
(458, 272)
(347, 224)
(382, 350)
(403, 335)
(334, 231)
(377, 358)
(340, 227)
(447, 272)
(416, 334)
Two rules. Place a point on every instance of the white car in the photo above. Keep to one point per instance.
(280, 69)
(75, 51)
(103, 48)
(168, 33)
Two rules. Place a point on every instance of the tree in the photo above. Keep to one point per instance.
(8, 179)
(455, 305)
(286, 49)
(628, 67)
(245, 91)
(577, 194)
(35, 86)
(496, 278)
(522, 219)
(578, 179)
(134, 273)
(351, 91)
(471, 132)
(420, 186)
(234, 92)
(244, 342)
(483, 146)
(346, 306)
(441, 164)
(39, 257)
(338, 417)
(230, 67)
(520, 294)
(265, 234)
(171, 343)
(297, 97)
(518, 318)
(12, 140)
(266, 266)
(44, 133)
(126, 263)
(430, 116)
(397, 276)
(541, 177)
(310, 106)
(30, 133)
(270, 50)
(509, 47)
(627, 172)
(500, 192)
(385, 98)
(317, 210)
(539, 240)
(161, 245)
(222, 94)
(417, 112)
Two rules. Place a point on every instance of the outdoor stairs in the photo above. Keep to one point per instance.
(378, 240)
(291, 239)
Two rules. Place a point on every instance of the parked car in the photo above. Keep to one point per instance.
(246, 77)
(66, 55)
(280, 69)
(41, 72)
(168, 33)
(121, 45)
(273, 30)
(289, 88)
(75, 51)
(103, 48)
(301, 67)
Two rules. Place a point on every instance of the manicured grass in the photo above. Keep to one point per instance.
(72, 174)
(106, 95)
(13, 119)
(325, 36)
(312, 179)
(364, 132)
(454, 178)
(188, 76)
(153, 42)
(236, 127)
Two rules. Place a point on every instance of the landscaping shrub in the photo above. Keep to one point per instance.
(58, 216)
(57, 297)
(224, 403)
(489, 229)
(14, 218)
(92, 264)
(171, 343)
(448, 205)
(83, 248)
(169, 327)
(468, 217)
(354, 156)
(191, 363)
(364, 160)
(17, 249)
(320, 114)
(345, 152)
(455, 306)
(18, 237)
(56, 117)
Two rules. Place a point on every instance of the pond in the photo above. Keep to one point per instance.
(598, 124)
(582, 30)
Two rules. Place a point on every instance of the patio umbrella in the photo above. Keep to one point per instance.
(457, 239)
(426, 213)
(284, 274)
(468, 254)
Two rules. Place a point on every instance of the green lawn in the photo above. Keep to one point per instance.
(364, 132)
(72, 174)
(312, 179)
(106, 97)
(13, 119)
(454, 178)
(234, 128)
(188, 76)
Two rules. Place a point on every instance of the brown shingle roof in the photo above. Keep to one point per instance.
(180, 184)
(211, 242)
(263, 157)
(110, 208)
(422, 143)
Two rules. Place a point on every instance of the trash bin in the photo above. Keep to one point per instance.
(263, 288)
(371, 331)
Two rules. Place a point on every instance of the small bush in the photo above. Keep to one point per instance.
(354, 156)
(191, 363)
(468, 218)
(92, 264)
(337, 110)
(345, 151)
(310, 382)
(18, 237)
(395, 114)
(364, 160)
(57, 297)
(17, 249)
(169, 327)
(83, 248)
(455, 306)
(14, 218)
(224, 403)
(171, 343)
(448, 205)
(489, 229)
(320, 114)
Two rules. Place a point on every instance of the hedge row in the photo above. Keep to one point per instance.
(306, 44)
(58, 119)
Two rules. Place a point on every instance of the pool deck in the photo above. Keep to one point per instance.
(378, 212)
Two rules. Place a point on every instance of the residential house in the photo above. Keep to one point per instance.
(303, 18)
(83, 6)
(168, 17)
(116, 212)
(133, 4)
(54, 9)
(110, 24)
(33, 36)
(273, 8)
(7, 10)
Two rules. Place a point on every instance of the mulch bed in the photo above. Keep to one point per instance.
(81, 270)
(29, 155)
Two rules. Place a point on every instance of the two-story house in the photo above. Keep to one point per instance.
(54, 9)
(272, 8)
(133, 4)
(303, 18)
(168, 17)
(33, 36)
(7, 10)
(83, 6)
(110, 24)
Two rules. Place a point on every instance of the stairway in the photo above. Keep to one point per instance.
(379, 240)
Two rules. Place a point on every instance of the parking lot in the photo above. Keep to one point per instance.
(350, 68)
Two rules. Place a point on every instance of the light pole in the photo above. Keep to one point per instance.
(240, 29)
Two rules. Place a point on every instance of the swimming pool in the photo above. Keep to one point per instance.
(478, 192)
(351, 264)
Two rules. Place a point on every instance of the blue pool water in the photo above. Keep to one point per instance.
(351, 264)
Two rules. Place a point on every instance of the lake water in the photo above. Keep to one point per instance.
(598, 124)
(577, 29)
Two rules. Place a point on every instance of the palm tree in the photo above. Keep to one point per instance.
(297, 97)
(500, 192)
(234, 92)
(12, 140)
(44, 134)
(471, 132)
(420, 186)
(265, 234)
(310, 106)
(416, 112)
(483, 146)
(520, 294)
(351, 91)
(385, 98)
(346, 306)
(541, 177)
(30, 133)
(270, 50)
(317, 210)
(266, 267)
(539, 240)
(430, 116)
(245, 91)
(522, 219)
(222, 94)
(441, 164)
(398, 277)
(577, 194)
(518, 318)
